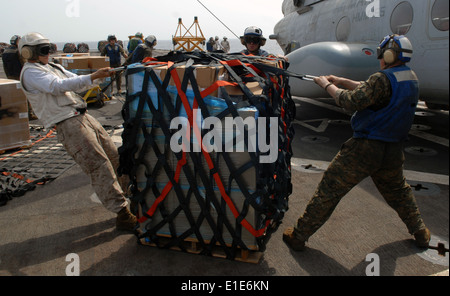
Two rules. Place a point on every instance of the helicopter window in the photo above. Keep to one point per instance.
(402, 18)
(343, 29)
(299, 3)
(439, 15)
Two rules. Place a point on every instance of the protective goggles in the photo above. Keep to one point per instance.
(249, 39)
(43, 50)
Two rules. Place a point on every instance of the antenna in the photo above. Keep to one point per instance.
(218, 19)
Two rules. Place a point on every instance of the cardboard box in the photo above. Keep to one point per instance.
(71, 63)
(236, 90)
(205, 75)
(98, 62)
(14, 128)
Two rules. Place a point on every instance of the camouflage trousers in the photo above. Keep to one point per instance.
(358, 159)
(93, 150)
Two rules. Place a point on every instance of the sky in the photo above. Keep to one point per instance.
(93, 20)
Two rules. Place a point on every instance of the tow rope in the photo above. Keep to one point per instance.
(205, 195)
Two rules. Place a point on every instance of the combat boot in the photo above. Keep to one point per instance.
(293, 242)
(422, 237)
(126, 220)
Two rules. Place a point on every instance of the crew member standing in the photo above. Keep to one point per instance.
(225, 45)
(253, 39)
(134, 42)
(50, 90)
(12, 61)
(144, 50)
(384, 109)
(12, 64)
(113, 50)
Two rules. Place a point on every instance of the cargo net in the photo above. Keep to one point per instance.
(220, 198)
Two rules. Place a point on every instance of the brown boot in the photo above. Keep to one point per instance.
(422, 237)
(125, 220)
(293, 242)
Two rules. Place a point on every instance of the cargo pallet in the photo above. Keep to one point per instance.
(193, 246)
(13, 149)
(214, 203)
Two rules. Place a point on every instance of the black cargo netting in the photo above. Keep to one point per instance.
(229, 200)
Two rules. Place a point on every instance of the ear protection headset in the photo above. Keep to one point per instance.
(390, 55)
(33, 52)
(395, 48)
(32, 45)
(28, 53)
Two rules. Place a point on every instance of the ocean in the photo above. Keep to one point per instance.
(236, 46)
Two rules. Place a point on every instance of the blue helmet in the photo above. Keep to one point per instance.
(395, 47)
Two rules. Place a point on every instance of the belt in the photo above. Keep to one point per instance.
(81, 110)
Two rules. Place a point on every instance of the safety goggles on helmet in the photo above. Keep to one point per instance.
(252, 39)
(43, 49)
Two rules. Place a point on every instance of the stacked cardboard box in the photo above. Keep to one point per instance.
(14, 128)
(98, 62)
(82, 62)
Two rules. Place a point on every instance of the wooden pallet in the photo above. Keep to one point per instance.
(192, 246)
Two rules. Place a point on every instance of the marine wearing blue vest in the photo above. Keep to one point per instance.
(113, 53)
(392, 123)
(113, 50)
(384, 108)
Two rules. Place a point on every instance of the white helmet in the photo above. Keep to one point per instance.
(395, 48)
(151, 40)
(253, 32)
(28, 45)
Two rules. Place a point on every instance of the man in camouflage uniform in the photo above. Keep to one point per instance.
(384, 109)
(50, 90)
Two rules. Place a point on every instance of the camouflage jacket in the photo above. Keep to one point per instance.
(374, 93)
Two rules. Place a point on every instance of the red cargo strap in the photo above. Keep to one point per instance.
(166, 190)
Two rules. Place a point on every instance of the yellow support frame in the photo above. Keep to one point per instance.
(188, 41)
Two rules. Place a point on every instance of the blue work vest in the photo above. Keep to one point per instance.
(393, 122)
(113, 54)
